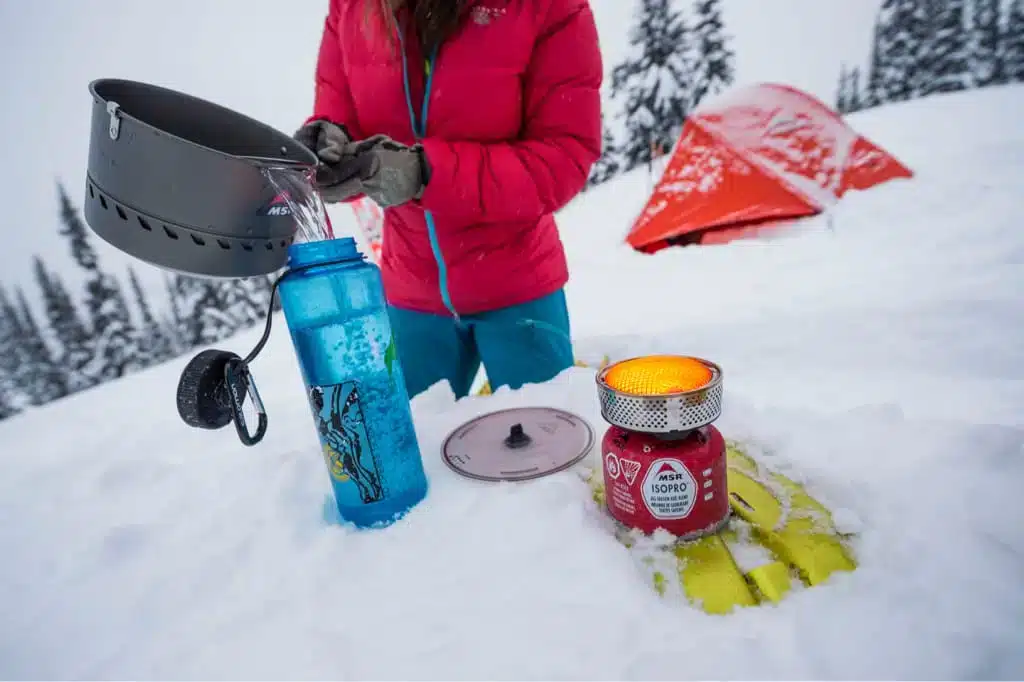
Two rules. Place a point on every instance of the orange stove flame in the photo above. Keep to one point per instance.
(658, 375)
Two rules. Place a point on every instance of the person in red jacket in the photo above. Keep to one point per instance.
(471, 122)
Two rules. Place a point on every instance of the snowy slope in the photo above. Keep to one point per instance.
(882, 361)
(943, 248)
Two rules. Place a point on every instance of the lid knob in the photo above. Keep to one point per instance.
(517, 437)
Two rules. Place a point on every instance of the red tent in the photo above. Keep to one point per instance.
(754, 159)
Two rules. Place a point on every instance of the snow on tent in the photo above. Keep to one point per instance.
(754, 159)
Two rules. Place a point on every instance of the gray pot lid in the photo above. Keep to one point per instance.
(518, 444)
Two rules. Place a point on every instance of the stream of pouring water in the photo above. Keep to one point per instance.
(295, 187)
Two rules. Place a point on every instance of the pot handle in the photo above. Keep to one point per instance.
(114, 112)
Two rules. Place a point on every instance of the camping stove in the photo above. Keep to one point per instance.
(664, 461)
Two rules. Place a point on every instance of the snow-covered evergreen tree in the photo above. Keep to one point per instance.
(13, 334)
(7, 408)
(843, 90)
(922, 18)
(1013, 43)
(655, 82)
(895, 51)
(114, 330)
(71, 336)
(74, 228)
(244, 301)
(151, 342)
(173, 321)
(921, 47)
(113, 334)
(715, 70)
(854, 100)
(38, 374)
(985, 63)
(873, 87)
(13, 397)
(949, 50)
(200, 311)
(608, 165)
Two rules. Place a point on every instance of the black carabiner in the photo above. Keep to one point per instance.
(240, 384)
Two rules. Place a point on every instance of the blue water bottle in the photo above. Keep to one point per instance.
(333, 302)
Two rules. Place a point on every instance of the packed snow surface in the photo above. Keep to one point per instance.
(879, 352)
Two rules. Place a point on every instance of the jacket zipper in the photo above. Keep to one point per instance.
(419, 130)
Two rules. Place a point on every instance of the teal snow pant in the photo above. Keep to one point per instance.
(523, 344)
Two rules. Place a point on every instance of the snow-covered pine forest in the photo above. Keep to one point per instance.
(107, 330)
(925, 47)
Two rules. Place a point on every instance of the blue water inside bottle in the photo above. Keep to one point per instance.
(333, 303)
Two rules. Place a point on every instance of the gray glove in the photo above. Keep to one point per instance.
(388, 172)
(330, 142)
(327, 140)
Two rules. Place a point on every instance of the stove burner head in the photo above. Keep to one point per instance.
(661, 394)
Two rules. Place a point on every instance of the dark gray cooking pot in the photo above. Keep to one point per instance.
(181, 183)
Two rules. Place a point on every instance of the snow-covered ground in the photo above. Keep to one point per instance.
(879, 355)
(882, 359)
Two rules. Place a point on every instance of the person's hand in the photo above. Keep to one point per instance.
(325, 139)
(388, 172)
(331, 144)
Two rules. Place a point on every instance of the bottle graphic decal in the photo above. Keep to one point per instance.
(390, 355)
(347, 448)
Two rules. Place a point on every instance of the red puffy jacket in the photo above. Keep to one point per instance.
(512, 126)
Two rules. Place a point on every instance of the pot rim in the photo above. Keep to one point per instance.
(259, 162)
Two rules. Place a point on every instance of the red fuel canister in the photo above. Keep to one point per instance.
(678, 485)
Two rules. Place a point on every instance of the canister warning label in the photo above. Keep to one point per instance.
(611, 464)
(630, 468)
(669, 489)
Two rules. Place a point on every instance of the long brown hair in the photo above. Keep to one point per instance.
(435, 20)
